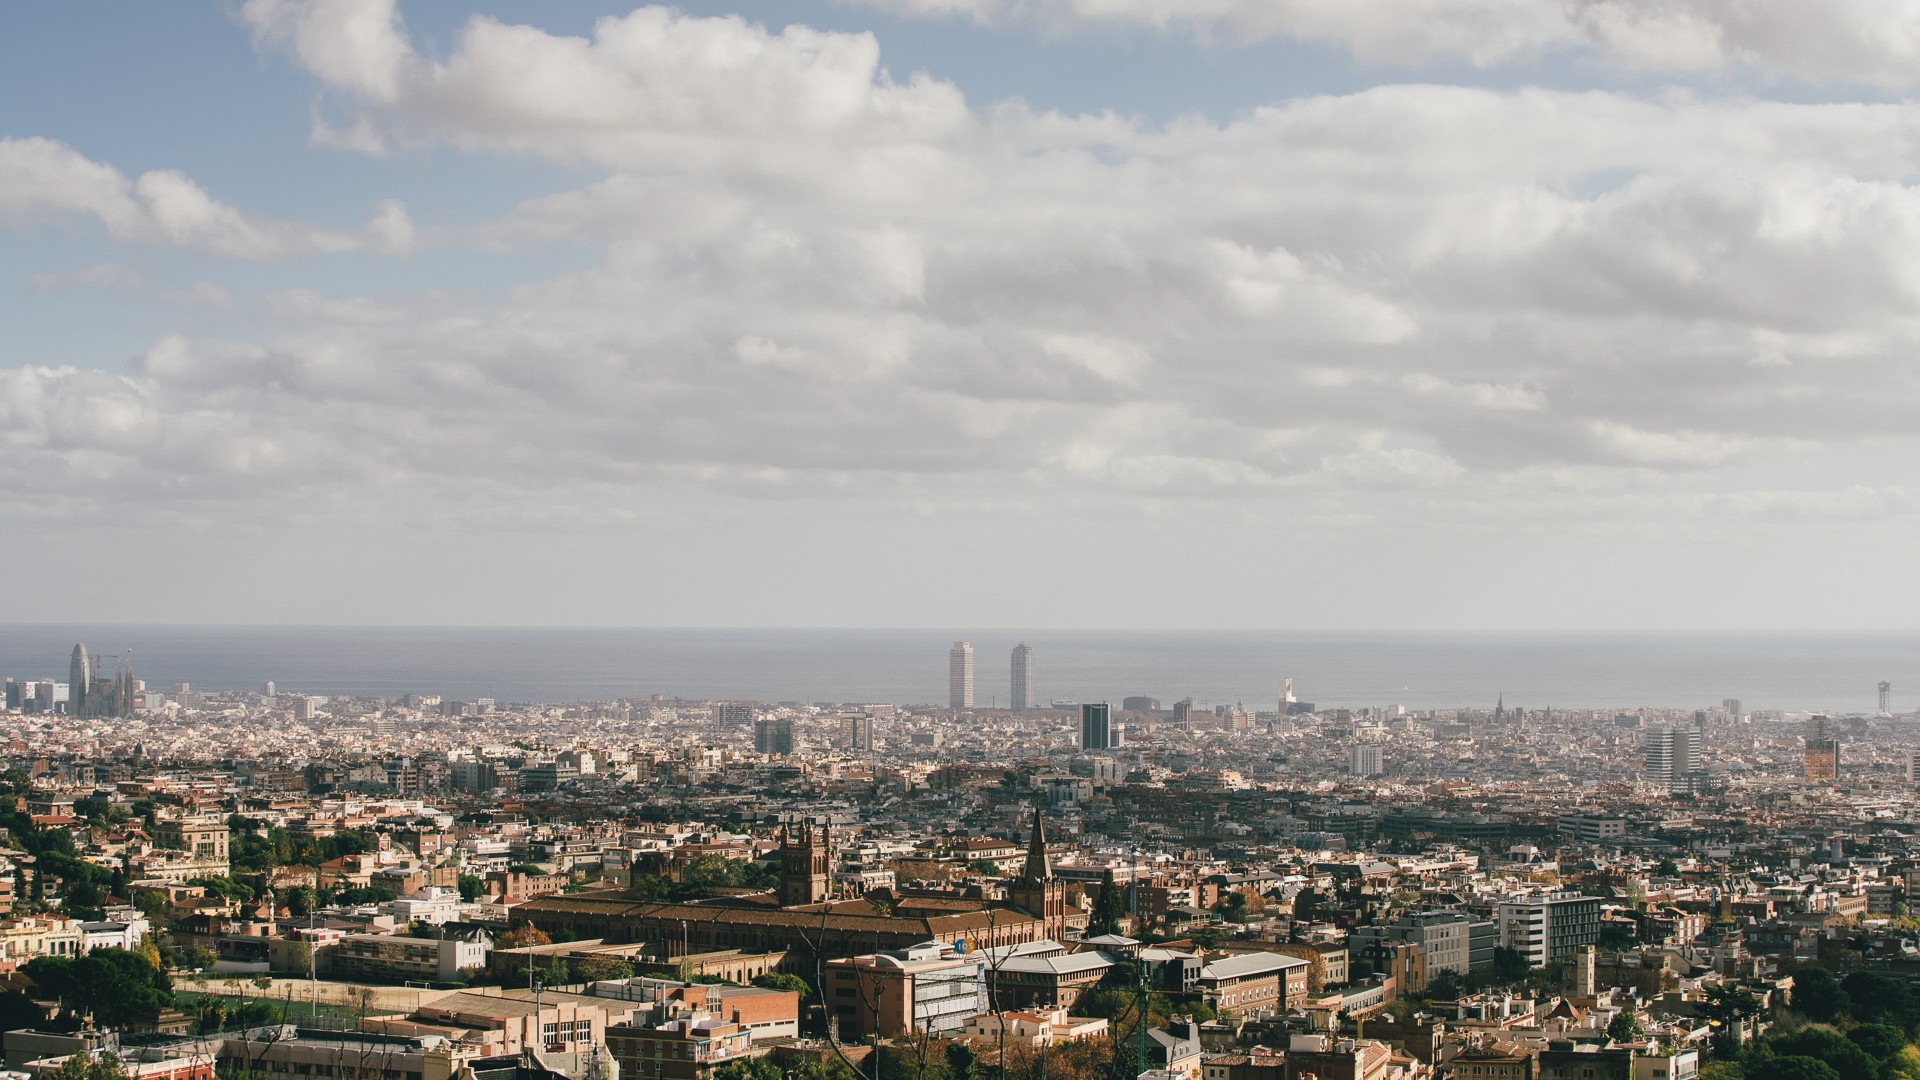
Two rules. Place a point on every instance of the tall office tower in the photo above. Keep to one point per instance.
(733, 712)
(1820, 726)
(773, 735)
(1183, 714)
(856, 731)
(1673, 757)
(17, 693)
(1096, 728)
(1022, 697)
(960, 676)
(1822, 762)
(1913, 766)
(266, 688)
(1366, 759)
(79, 681)
(1733, 705)
(1886, 696)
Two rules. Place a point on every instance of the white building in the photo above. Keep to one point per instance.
(428, 907)
(1022, 697)
(1366, 759)
(1544, 927)
(1673, 757)
(960, 676)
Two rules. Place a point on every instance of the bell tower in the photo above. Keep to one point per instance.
(1036, 891)
(805, 867)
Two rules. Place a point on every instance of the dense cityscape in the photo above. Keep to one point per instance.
(203, 882)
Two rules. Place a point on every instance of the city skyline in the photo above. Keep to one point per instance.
(1802, 674)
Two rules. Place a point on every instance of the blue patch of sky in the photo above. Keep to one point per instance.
(180, 86)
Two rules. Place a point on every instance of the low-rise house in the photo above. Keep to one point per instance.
(1032, 1028)
(401, 958)
(1253, 983)
(677, 1049)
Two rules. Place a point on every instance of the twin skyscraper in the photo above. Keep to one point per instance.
(960, 676)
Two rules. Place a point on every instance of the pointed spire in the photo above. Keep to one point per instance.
(1037, 868)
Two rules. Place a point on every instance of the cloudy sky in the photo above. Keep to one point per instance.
(1161, 313)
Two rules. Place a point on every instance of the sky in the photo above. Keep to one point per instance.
(1355, 314)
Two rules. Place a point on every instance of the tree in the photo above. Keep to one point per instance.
(1108, 908)
(17, 1011)
(1828, 1046)
(1615, 937)
(650, 889)
(961, 1061)
(1793, 1068)
(780, 980)
(757, 1068)
(88, 1067)
(1722, 1070)
(1727, 1008)
(114, 986)
(365, 894)
(149, 950)
(1446, 985)
(524, 936)
(300, 956)
(1903, 1065)
(1882, 1041)
(708, 872)
(471, 888)
(1234, 907)
(601, 969)
(1624, 1027)
(1817, 994)
(1871, 997)
(301, 901)
(1509, 966)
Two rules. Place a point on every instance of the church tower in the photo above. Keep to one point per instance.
(1036, 891)
(805, 867)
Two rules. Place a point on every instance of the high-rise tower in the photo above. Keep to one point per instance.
(1822, 761)
(1022, 697)
(79, 681)
(1096, 727)
(1673, 757)
(960, 676)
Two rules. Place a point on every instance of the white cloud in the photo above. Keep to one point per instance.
(653, 87)
(40, 176)
(1874, 41)
(813, 280)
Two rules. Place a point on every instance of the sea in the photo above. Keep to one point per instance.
(1792, 672)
